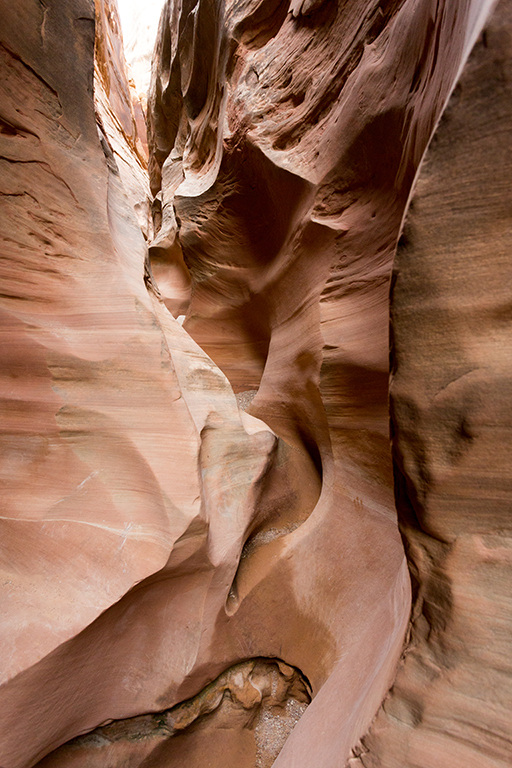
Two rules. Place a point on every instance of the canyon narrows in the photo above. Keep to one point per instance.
(213, 551)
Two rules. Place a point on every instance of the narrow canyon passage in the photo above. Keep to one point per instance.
(202, 559)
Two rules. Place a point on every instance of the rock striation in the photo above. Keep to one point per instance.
(451, 702)
(200, 551)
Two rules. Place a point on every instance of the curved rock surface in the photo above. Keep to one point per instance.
(243, 718)
(199, 523)
(451, 703)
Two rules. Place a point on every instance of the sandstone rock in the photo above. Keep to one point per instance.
(162, 545)
(93, 414)
(451, 703)
(119, 113)
(243, 718)
(283, 192)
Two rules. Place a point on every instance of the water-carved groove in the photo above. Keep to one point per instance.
(262, 697)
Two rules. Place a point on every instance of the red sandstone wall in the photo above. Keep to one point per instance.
(181, 576)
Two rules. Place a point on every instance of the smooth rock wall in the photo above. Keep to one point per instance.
(104, 458)
(451, 406)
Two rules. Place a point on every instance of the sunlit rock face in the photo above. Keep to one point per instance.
(119, 113)
(139, 22)
(201, 559)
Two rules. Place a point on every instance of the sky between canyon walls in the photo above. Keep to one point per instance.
(139, 23)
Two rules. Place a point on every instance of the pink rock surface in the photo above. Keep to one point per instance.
(157, 539)
(242, 718)
(451, 703)
(93, 414)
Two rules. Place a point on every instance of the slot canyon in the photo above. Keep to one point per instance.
(256, 384)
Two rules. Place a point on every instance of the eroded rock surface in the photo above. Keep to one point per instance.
(451, 703)
(119, 113)
(94, 415)
(243, 718)
(166, 541)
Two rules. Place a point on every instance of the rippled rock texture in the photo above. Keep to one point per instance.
(451, 404)
(199, 532)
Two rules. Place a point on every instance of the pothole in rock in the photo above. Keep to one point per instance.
(240, 720)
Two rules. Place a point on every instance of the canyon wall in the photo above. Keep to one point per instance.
(451, 408)
(200, 551)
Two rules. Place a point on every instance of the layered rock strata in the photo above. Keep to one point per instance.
(94, 419)
(451, 703)
(282, 155)
(119, 113)
(169, 556)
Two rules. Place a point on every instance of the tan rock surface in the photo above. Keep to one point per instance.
(155, 536)
(242, 718)
(288, 228)
(93, 414)
(451, 703)
(119, 114)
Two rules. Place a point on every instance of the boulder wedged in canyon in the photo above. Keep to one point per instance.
(184, 580)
